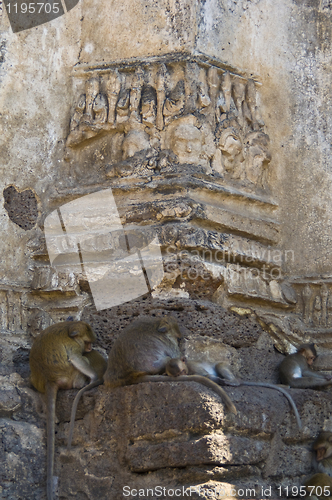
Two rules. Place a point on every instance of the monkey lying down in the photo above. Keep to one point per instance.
(295, 370)
(148, 348)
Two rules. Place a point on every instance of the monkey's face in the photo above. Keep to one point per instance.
(310, 357)
(320, 453)
(170, 327)
(87, 346)
(323, 446)
(82, 334)
(176, 367)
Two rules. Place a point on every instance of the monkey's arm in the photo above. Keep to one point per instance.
(318, 483)
(285, 393)
(309, 382)
(311, 373)
(192, 378)
(220, 374)
(226, 374)
(83, 366)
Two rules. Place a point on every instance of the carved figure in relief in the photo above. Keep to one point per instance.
(149, 106)
(113, 87)
(203, 99)
(258, 158)
(317, 308)
(225, 99)
(186, 143)
(214, 87)
(324, 293)
(161, 93)
(122, 107)
(230, 145)
(329, 310)
(134, 141)
(135, 94)
(227, 135)
(317, 312)
(251, 113)
(238, 93)
(91, 92)
(174, 103)
(76, 134)
(100, 109)
(78, 113)
(306, 295)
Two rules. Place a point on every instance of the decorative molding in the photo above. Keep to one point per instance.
(166, 111)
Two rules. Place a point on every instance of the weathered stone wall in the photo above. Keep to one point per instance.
(168, 435)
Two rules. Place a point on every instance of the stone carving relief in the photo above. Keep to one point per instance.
(12, 311)
(190, 111)
(317, 305)
(251, 283)
(309, 320)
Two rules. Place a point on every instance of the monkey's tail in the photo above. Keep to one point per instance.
(74, 409)
(51, 393)
(285, 393)
(215, 387)
(193, 378)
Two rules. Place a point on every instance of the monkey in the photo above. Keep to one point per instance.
(176, 367)
(57, 362)
(99, 364)
(295, 370)
(320, 484)
(323, 452)
(142, 352)
(221, 373)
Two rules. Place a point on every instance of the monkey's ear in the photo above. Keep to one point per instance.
(163, 325)
(73, 333)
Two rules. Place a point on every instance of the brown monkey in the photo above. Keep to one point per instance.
(57, 362)
(99, 365)
(221, 373)
(295, 369)
(323, 452)
(142, 352)
(176, 367)
(181, 366)
(320, 484)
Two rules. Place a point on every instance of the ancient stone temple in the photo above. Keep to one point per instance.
(167, 158)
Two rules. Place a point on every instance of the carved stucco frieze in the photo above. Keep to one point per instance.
(183, 112)
(181, 143)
